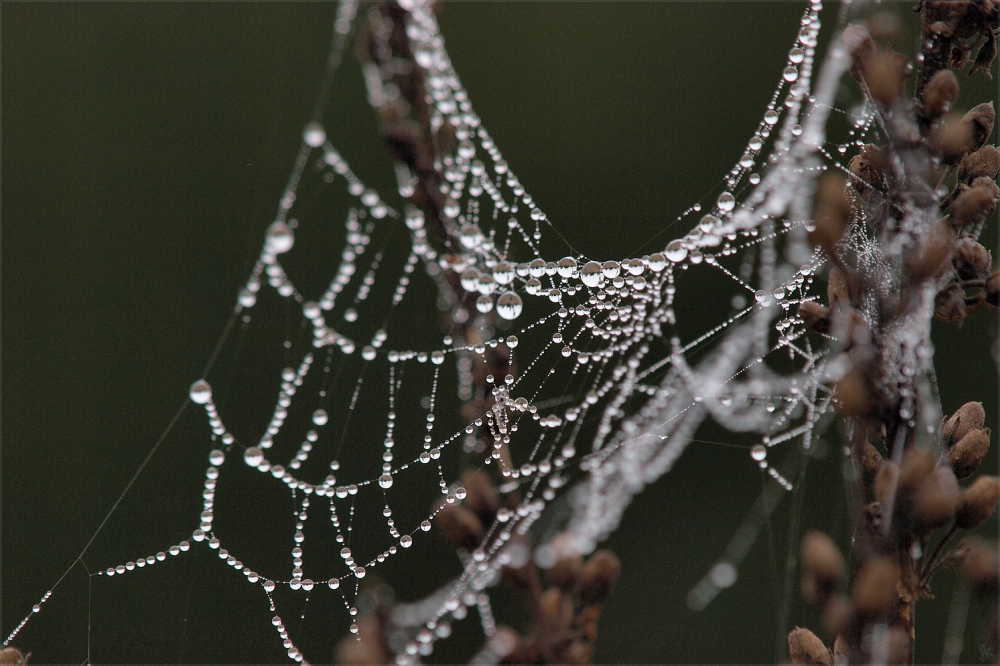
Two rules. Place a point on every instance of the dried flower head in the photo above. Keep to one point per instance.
(874, 588)
(966, 455)
(972, 261)
(598, 577)
(805, 647)
(941, 91)
(984, 163)
(815, 316)
(966, 418)
(935, 500)
(978, 502)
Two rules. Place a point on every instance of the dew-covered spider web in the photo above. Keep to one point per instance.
(421, 350)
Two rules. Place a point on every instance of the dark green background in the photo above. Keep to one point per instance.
(144, 150)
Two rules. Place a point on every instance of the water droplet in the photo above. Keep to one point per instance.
(484, 303)
(796, 55)
(437, 357)
(280, 237)
(771, 117)
(511, 341)
(656, 262)
(762, 297)
(676, 252)
(201, 392)
(359, 572)
(470, 236)
(314, 135)
(723, 574)
(566, 267)
(368, 353)
(216, 457)
(333, 583)
(591, 274)
(253, 456)
(726, 202)
(503, 273)
(790, 74)
(758, 452)
(611, 269)
(320, 417)
(385, 481)
(406, 541)
(509, 305)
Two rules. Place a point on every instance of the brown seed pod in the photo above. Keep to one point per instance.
(11, 656)
(936, 499)
(982, 565)
(598, 577)
(966, 418)
(978, 502)
(870, 171)
(931, 257)
(966, 456)
(822, 558)
(984, 163)
(837, 289)
(805, 647)
(972, 205)
(815, 316)
(917, 465)
(939, 94)
(557, 607)
(957, 556)
(859, 42)
(852, 394)
(884, 74)
(832, 212)
(874, 589)
(972, 261)
(949, 303)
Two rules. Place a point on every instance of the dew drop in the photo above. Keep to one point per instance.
(320, 417)
(201, 392)
(611, 269)
(406, 541)
(676, 252)
(566, 267)
(314, 135)
(484, 304)
(503, 273)
(758, 452)
(253, 456)
(726, 202)
(280, 237)
(385, 481)
(509, 306)
(591, 274)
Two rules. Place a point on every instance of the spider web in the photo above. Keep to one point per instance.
(615, 363)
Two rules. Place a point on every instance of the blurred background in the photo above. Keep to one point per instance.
(144, 151)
